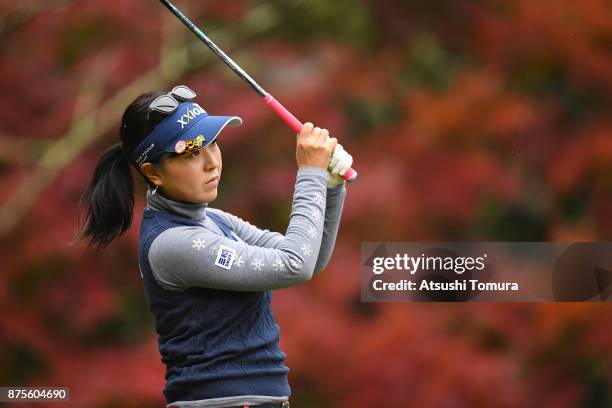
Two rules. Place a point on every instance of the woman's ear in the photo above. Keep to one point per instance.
(151, 173)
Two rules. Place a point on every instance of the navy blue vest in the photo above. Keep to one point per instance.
(214, 343)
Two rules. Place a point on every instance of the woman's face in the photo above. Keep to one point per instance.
(192, 177)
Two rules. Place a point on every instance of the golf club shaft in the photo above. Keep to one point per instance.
(276, 106)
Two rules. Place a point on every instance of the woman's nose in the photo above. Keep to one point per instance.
(210, 161)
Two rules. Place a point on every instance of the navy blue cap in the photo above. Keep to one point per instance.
(188, 127)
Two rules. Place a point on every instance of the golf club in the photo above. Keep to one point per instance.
(276, 106)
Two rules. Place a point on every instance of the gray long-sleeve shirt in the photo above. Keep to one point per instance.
(260, 260)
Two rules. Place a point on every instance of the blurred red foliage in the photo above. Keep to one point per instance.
(485, 120)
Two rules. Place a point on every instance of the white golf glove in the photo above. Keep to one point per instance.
(339, 163)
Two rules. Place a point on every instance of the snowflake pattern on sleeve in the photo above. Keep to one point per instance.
(278, 265)
(318, 198)
(306, 249)
(257, 264)
(239, 262)
(315, 214)
(198, 244)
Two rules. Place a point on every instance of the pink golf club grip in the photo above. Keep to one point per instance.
(296, 125)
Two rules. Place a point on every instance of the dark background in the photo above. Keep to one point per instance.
(468, 121)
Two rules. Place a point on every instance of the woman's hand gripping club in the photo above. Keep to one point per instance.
(315, 148)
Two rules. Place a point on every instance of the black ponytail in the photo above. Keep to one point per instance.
(109, 197)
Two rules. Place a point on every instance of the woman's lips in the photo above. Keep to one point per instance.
(213, 181)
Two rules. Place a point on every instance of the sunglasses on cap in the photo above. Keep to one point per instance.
(169, 102)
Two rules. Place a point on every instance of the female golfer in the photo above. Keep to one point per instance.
(208, 274)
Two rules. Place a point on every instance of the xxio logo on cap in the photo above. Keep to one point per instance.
(190, 114)
(192, 144)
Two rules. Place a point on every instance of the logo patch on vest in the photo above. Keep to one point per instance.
(225, 257)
